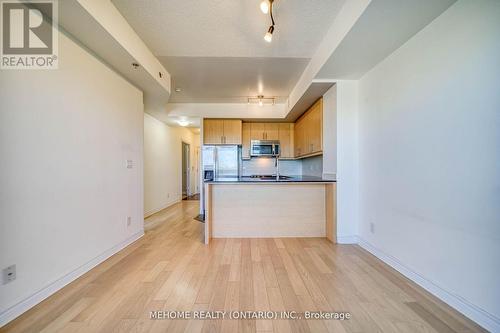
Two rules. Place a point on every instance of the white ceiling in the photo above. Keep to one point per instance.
(215, 52)
(229, 28)
(383, 27)
(231, 79)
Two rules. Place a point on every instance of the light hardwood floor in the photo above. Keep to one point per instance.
(171, 269)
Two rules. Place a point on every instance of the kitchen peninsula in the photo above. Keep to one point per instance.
(253, 208)
(249, 191)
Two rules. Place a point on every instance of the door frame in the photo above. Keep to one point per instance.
(188, 168)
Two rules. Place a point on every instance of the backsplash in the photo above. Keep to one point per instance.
(312, 166)
(265, 166)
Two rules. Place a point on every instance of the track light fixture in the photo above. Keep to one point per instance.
(260, 100)
(266, 6)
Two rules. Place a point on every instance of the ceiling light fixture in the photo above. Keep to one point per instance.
(178, 89)
(267, 6)
(183, 123)
(264, 6)
(261, 100)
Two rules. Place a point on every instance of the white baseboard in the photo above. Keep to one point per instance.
(16, 310)
(472, 311)
(347, 239)
(156, 210)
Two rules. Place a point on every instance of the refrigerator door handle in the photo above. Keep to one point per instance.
(216, 167)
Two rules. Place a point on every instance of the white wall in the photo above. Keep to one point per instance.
(65, 191)
(163, 163)
(330, 131)
(429, 150)
(347, 161)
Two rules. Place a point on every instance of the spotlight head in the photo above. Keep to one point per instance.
(268, 37)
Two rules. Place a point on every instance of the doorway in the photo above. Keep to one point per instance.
(185, 170)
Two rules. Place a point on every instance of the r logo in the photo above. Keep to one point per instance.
(29, 34)
(27, 29)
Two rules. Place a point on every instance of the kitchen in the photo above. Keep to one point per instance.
(264, 179)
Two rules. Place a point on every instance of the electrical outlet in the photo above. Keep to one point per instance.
(129, 221)
(372, 228)
(9, 274)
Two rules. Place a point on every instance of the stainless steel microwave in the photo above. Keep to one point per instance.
(264, 148)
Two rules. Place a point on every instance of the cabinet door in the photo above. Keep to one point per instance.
(286, 140)
(232, 132)
(213, 131)
(271, 131)
(245, 134)
(315, 127)
(299, 138)
(258, 131)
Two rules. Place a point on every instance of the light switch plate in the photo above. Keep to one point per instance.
(130, 164)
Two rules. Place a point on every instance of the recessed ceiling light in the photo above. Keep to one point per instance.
(178, 89)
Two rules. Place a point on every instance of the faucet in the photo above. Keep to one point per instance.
(277, 166)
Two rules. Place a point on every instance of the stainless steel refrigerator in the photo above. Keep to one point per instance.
(219, 162)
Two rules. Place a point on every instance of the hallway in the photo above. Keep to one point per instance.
(171, 269)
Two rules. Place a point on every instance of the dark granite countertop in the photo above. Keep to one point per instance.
(288, 179)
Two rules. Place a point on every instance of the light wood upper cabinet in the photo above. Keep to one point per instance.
(299, 139)
(264, 131)
(271, 131)
(316, 126)
(309, 131)
(213, 131)
(258, 131)
(232, 132)
(285, 135)
(221, 131)
(245, 150)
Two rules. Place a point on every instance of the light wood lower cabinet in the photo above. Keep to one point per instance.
(222, 131)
